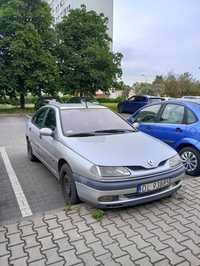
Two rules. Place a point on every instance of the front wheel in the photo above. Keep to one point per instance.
(191, 160)
(68, 185)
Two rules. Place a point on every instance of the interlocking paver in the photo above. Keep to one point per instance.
(70, 257)
(81, 247)
(143, 262)
(3, 249)
(97, 248)
(57, 233)
(107, 260)
(19, 262)
(4, 261)
(74, 235)
(42, 232)
(125, 260)
(174, 245)
(157, 243)
(162, 233)
(134, 252)
(172, 256)
(115, 250)
(52, 223)
(34, 254)
(122, 240)
(14, 239)
(153, 255)
(105, 238)
(30, 241)
(17, 252)
(139, 241)
(47, 243)
(89, 259)
(193, 260)
(192, 246)
(67, 225)
(52, 256)
(3, 237)
(38, 263)
(64, 244)
(89, 236)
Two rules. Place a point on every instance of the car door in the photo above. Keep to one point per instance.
(171, 126)
(34, 131)
(49, 144)
(147, 118)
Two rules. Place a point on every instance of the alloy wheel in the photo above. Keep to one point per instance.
(190, 161)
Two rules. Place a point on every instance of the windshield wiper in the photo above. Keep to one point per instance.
(82, 134)
(113, 131)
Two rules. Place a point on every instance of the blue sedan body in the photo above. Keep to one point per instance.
(136, 102)
(176, 122)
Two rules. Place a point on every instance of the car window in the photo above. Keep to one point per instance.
(89, 120)
(191, 118)
(173, 114)
(140, 99)
(154, 100)
(38, 118)
(50, 121)
(148, 114)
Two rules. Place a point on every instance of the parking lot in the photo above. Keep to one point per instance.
(166, 232)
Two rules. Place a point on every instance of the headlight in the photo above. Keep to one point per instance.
(175, 161)
(110, 172)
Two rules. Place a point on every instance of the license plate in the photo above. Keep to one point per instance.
(144, 188)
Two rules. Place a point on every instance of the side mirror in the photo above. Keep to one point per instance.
(46, 132)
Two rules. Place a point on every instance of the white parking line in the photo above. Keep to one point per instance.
(19, 194)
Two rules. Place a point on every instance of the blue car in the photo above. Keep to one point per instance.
(177, 123)
(134, 103)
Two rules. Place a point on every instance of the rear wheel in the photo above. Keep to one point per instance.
(191, 160)
(30, 154)
(68, 185)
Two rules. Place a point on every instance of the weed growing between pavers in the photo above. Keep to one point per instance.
(98, 214)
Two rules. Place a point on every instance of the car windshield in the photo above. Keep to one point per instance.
(89, 122)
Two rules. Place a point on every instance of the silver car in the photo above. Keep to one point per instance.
(99, 158)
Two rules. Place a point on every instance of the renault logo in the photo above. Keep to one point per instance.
(151, 163)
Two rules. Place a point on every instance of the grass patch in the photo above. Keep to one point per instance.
(16, 110)
(98, 215)
(112, 106)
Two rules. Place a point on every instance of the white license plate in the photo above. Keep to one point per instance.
(144, 188)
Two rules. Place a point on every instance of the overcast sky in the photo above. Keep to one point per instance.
(157, 36)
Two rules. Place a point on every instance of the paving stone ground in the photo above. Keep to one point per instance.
(161, 233)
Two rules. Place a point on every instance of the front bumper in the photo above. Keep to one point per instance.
(124, 193)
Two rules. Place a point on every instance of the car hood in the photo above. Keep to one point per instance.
(129, 149)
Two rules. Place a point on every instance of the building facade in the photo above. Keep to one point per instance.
(61, 8)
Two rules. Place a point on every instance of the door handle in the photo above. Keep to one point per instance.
(29, 128)
(178, 129)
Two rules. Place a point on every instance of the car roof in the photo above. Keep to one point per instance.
(68, 106)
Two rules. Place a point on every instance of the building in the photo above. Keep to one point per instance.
(61, 8)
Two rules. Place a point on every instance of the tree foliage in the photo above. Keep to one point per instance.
(85, 58)
(171, 85)
(27, 40)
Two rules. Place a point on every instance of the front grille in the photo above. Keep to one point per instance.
(139, 168)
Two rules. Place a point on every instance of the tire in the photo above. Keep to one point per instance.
(191, 160)
(30, 154)
(68, 185)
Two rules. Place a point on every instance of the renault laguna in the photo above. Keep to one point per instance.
(99, 158)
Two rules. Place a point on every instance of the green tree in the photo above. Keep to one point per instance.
(144, 88)
(85, 59)
(159, 85)
(27, 41)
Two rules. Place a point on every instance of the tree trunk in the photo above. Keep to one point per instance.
(22, 101)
